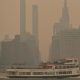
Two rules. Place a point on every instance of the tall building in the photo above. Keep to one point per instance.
(65, 40)
(22, 20)
(66, 44)
(64, 22)
(61, 26)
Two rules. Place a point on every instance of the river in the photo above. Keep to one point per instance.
(43, 79)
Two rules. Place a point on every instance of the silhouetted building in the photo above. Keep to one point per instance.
(24, 48)
(16, 52)
(64, 23)
(66, 44)
(63, 36)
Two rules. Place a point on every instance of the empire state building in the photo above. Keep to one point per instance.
(63, 25)
(64, 22)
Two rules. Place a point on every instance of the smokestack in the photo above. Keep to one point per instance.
(35, 31)
(35, 22)
(22, 20)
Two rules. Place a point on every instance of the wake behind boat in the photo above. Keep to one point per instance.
(59, 69)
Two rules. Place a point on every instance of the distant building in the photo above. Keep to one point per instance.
(66, 44)
(16, 52)
(65, 39)
(64, 23)
(24, 48)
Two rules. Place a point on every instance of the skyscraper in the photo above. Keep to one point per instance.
(22, 20)
(61, 26)
(65, 16)
(64, 23)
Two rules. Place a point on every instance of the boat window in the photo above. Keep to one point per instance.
(71, 66)
(64, 72)
(68, 66)
(65, 67)
(28, 73)
(77, 66)
(37, 73)
(69, 61)
(58, 67)
(47, 67)
(75, 60)
(49, 73)
(12, 72)
(25, 73)
(60, 72)
(69, 72)
(21, 73)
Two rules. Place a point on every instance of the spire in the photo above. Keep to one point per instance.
(65, 15)
(65, 3)
(64, 23)
(65, 9)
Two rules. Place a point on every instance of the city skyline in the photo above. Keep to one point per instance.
(11, 25)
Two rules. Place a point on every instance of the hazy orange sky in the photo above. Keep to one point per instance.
(50, 12)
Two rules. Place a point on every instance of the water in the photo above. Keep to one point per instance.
(42, 79)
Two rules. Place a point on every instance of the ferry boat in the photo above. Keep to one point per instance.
(62, 68)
